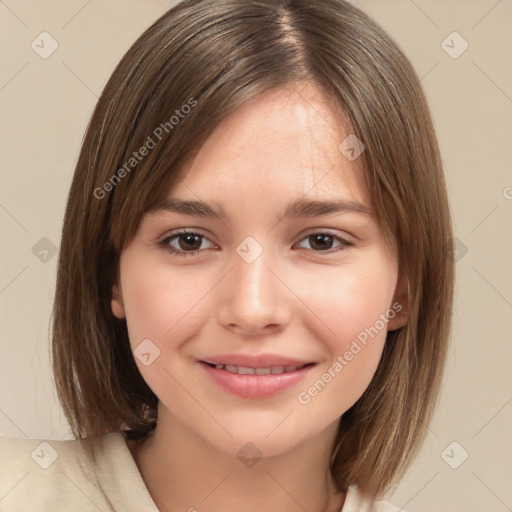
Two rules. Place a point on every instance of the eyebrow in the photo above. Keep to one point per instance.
(299, 208)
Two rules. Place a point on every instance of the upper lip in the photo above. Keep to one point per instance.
(252, 361)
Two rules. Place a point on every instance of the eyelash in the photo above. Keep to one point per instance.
(164, 244)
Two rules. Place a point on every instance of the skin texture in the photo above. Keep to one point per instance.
(299, 299)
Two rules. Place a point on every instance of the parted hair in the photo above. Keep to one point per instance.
(215, 55)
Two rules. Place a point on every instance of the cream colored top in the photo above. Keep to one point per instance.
(97, 474)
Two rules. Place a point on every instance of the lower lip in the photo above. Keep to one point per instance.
(255, 386)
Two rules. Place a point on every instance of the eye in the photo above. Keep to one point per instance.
(188, 243)
(322, 242)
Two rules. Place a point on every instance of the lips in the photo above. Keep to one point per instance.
(255, 377)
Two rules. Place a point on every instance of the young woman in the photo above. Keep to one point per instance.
(255, 280)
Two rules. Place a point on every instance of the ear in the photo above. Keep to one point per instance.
(401, 298)
(117, 303)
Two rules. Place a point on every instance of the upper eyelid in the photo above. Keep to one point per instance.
(186, 231)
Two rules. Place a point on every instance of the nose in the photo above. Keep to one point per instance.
(253, 298)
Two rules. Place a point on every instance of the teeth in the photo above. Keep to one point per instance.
(243, 370)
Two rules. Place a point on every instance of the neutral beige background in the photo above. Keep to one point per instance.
(45, 105)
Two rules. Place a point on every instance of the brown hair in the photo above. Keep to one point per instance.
(213, 56)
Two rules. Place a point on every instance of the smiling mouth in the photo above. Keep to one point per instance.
(245, 370)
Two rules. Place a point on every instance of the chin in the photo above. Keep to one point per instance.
(254, 446)
(267, 435)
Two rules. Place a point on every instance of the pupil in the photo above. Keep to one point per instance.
(320, 238)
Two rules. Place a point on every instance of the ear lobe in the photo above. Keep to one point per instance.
(117, 303)
(399, 320)
(401, 305)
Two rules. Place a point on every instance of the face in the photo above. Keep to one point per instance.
(263, 323)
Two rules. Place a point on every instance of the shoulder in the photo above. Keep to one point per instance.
(22, 459)
(81, 474)
(384, 506)
(357, 502)
(39, 474)
(39, 451)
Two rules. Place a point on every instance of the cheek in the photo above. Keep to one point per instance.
(157, 300)
(161, 307)
(352, 299)
(165, 307)
(354, 306)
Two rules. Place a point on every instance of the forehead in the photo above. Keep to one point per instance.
(284, 143)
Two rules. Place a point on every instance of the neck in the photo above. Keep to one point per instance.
(182, 471)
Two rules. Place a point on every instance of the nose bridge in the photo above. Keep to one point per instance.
(252, 278)
(254, 298)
